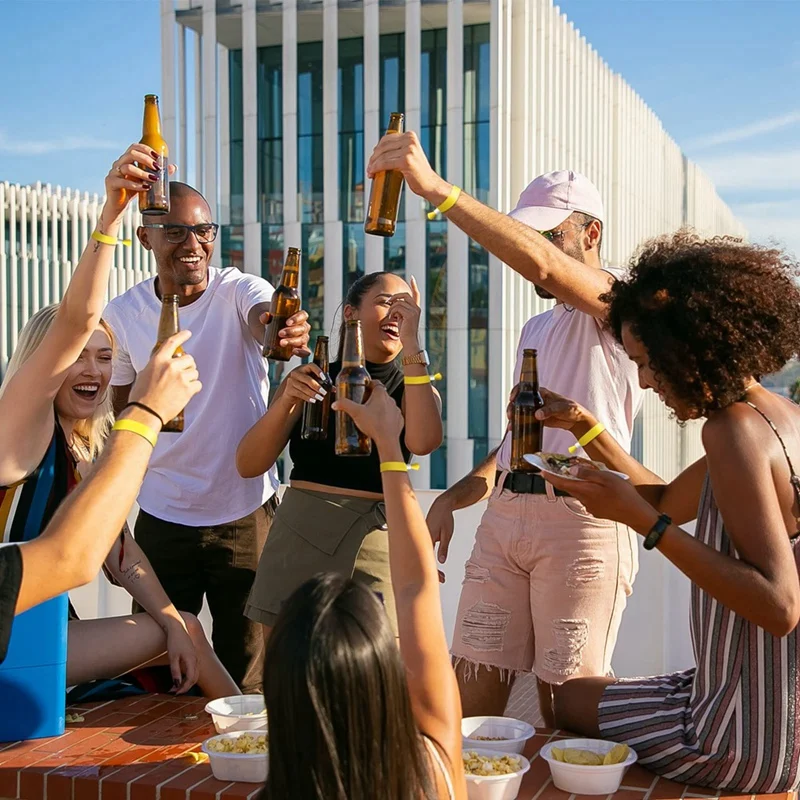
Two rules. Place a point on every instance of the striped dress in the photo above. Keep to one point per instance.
(27, 506)
(733, 721)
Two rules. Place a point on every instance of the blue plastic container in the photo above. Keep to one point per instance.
(33, 678)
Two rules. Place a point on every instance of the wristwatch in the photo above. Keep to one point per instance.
(419, 358)
(656, 532)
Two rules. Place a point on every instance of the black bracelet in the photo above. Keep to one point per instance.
(147, 409)
(657, 531)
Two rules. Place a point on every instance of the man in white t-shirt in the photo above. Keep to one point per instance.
(201, 525)
(546, 584)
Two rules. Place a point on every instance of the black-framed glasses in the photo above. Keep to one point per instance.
(205, 232)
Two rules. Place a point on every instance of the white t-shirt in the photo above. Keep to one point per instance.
(192, 478)
(580, 359)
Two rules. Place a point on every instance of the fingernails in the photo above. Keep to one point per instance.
(320, 395)
(154, 155)
(313, 400)
(152, 177)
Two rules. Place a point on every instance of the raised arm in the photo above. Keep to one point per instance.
(266, 440)
(423, 644)
(522, 248)
(26, 401)
(72, 548)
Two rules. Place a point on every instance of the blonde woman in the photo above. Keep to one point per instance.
(54, 413)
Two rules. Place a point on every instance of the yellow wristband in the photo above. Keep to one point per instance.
(416, 380)
(397, 466)
(138, 428)
(104, 239)
(451, 200)
(587, 437)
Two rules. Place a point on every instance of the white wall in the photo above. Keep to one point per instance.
(654, 637)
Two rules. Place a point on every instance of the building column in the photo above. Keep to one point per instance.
(373, 245)
(292, 233)
(209, 90)
(223, 64)
(183, 125)
(333, 229)
(168, 111)
(459, 445)
(252, 227)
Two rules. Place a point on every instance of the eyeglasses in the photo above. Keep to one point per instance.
(551, 236)
(205, 232)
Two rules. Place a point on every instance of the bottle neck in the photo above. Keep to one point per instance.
(530, 373)
(151, 126)
(395, 124)
(353, 351)
(169, 323)
(290, 278)
(321, 358)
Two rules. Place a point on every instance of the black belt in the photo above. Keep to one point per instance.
(526, 483)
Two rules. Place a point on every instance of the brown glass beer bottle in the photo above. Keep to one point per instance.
(285, 304)
(526, 430)
(169, 325)
(384, 196)
(316, 415)
(156, 199)
(352, 383)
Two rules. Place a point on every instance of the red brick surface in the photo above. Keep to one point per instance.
(138, 749)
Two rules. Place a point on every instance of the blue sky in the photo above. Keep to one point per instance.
(723, 76)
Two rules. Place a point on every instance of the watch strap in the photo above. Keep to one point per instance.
(657, 531)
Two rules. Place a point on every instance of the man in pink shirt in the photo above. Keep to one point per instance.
(546, 584)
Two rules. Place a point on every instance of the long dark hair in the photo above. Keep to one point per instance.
(340, 719)
(355, 294)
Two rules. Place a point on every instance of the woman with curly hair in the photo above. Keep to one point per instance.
(703, 320)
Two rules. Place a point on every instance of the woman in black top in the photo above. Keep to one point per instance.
(331, 517)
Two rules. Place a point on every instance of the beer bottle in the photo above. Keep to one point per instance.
(526, 430)
(352, 383)
(316, 415)
(156, 199)
(285, 304)
(169, 325)
(384, 196)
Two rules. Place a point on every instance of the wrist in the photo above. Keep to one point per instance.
(643, 519)
(583, 425)
(389, 448)
(109, 220)
(136, 414)
(411, 345)
(439, 192)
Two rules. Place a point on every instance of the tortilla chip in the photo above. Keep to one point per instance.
(557, 753)
(586, 757)
(617, 754)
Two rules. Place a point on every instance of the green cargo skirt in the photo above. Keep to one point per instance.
(317, 532)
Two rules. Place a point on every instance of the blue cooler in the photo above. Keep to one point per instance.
(33, 678)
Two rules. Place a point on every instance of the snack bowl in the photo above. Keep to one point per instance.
(495, 787)
(583, 778)
(505, 734)
(244, 712)
(246, 767)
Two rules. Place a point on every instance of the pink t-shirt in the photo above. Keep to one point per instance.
(580, 359)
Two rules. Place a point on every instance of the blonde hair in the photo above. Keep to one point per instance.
(91, 432)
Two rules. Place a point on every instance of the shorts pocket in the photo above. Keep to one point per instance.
(320, 522)
(575, 508)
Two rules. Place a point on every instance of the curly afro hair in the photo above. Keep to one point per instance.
(711, 313)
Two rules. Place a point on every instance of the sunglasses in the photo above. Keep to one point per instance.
(552, 236)
(205, 232)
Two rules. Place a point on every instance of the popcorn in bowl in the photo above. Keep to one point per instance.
(248, 744)
(483, 765)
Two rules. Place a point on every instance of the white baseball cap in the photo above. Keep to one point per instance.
(548, 200)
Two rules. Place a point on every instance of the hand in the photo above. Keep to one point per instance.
(511, 398)
(132, 173)
(306, 383)
(403, 152)
(296, 333)
(561, 412)
(182, 657)
(607, 497)
(379, 418)
(441, 525)
(405, 310)
(168, 383)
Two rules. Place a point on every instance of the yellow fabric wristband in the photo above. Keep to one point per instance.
(397, 466)
(138, 428)
(104, 239)
(587, 437)
(451, 200)
(416, 380)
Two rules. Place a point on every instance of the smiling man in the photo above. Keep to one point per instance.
(201, 525)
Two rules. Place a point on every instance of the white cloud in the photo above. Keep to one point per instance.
(757, 172)
(747, 131)
(32, 147)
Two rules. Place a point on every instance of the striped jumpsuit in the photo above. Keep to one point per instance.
(733, 721)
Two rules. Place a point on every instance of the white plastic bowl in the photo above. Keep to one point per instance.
(237, 766)
(230, 713)
(514, 732)
(495, 787)
(583, 779)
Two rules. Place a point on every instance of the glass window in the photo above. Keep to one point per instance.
(237, 137)
(394, 251)
(232, 246)
(270, 135)
(309, 131)
(353, 255)
(437, 331)
(311, 275)
(273, 252)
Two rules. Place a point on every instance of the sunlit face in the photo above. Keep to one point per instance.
(379, 325)
(648, 378)
(87, 380)
(184, 264)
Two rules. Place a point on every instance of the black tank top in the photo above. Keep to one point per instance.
(316, 462)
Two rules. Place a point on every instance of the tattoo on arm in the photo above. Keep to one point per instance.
(132, 573)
